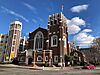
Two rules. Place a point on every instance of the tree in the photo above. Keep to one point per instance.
(96, 44)
(68, 59)
(95, 50)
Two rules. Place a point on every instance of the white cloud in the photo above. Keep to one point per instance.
(87, 30)
(73, 29)
(79, 8)
(30, 7)
(34, 20)
(77, 21)
(83, 38)
(73, 25)
(14, 13)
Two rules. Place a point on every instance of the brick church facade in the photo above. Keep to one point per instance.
(50, 45)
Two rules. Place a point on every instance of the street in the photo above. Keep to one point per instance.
(18, 71)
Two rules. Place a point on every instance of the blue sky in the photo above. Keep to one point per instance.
(83, 17)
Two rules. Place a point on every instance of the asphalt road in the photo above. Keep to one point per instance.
(17, 71)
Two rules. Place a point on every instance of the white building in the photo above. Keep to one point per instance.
(14, 38)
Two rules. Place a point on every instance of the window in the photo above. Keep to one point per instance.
(14, 36)
(13, 48)
(22, 59)
(39, 58)
(54, 41)
(2, 36)
(51, 22)
(4, 46)
(38, 43)
(16, 26)
(1, 41)
(55, 58)
(5, 41)
(46, 58)
(15, 31)
(55, 21)
(19, 26)
(7, 36)
(13, 42)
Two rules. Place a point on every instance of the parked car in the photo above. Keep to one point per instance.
(89, 66)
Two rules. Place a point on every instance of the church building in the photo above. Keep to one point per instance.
(50, 45)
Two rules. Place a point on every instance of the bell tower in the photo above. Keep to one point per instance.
(58, 37)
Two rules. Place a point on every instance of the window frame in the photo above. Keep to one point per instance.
(38, 58)
(55, 57)
(54, 41)
(39, 39)
(46, 58)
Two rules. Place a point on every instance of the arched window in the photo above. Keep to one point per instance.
(39, 58)
(38, 41)
(54, 41)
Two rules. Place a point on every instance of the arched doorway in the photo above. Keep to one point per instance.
(30, 60)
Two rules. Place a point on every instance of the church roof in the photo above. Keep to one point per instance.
(39, 29)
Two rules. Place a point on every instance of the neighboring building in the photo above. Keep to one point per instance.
(50, 45)
(14, 38)
(91, 55)
(22, 53)
(22, 44)
(3, 46)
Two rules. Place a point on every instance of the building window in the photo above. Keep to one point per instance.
(14, 36)
(22, 59)
(38, 43)
(6, 36)
(5, 41)
(13, 42)
(13, 48)
(16, 26)
(15, 31)
(55, 21)
(1, 41)
(4, 46)
(55, 58)
(51, 22)
(39, 58)
(2, 36)
(19, 26)
(54, 41)
(46, 58)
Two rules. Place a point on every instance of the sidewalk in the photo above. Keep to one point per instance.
(17, 66)
(40, 68)
(34, 68)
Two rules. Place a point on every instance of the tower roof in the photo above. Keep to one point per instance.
(16, 22)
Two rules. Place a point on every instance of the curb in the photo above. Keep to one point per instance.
(22, 67)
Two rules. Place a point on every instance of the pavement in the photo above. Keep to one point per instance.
(17, 66)
(41, 68)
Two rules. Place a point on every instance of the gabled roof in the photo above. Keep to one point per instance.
(38, 29)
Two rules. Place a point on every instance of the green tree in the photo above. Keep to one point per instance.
(69, 58)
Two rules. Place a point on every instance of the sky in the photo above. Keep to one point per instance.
(83, 17)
